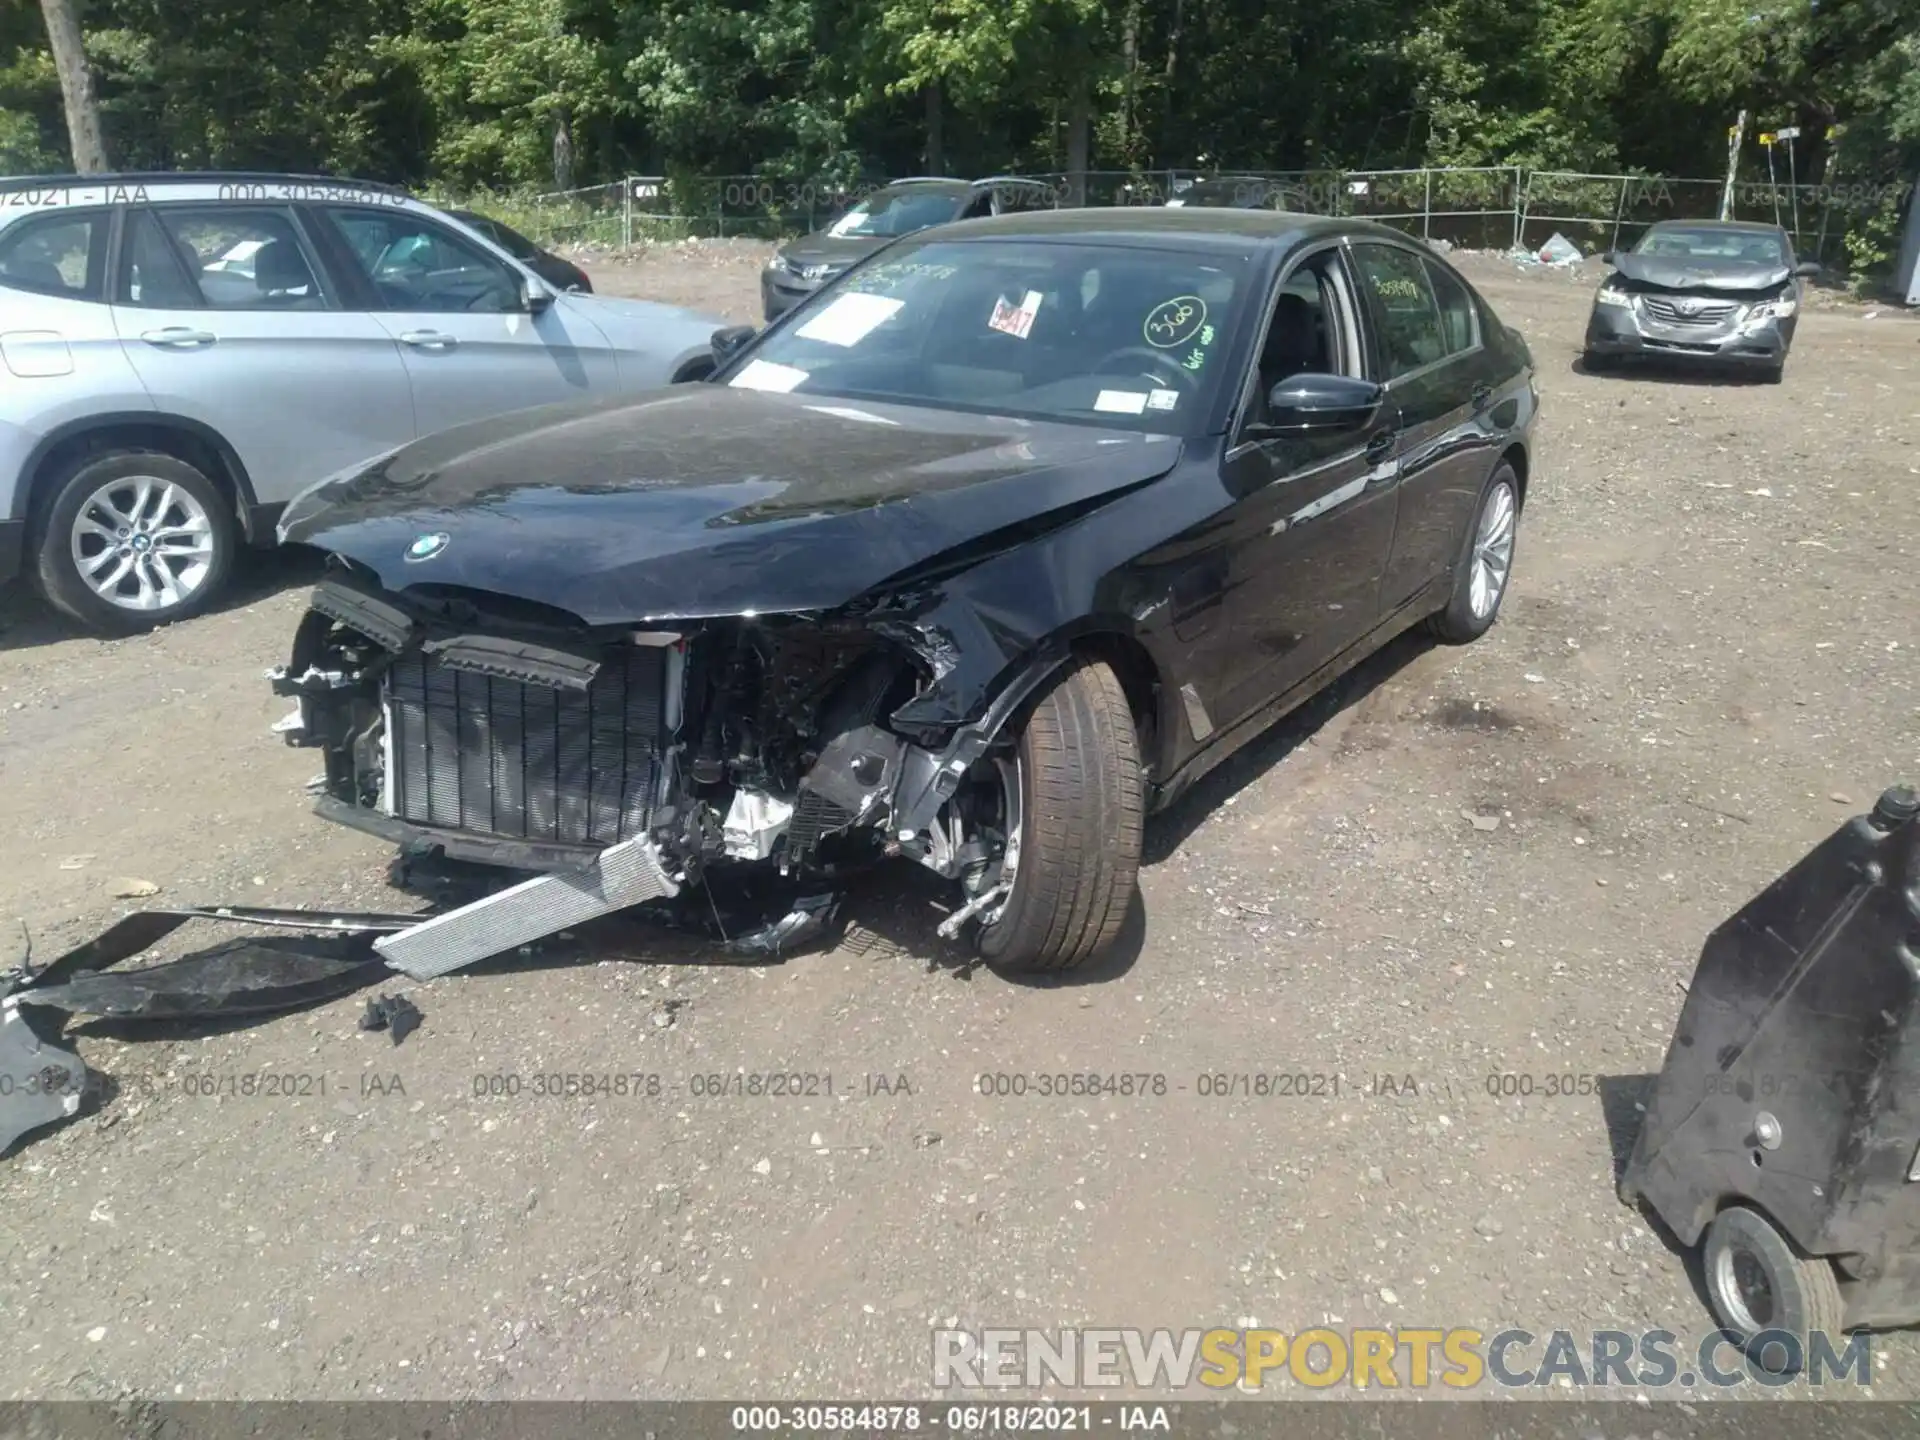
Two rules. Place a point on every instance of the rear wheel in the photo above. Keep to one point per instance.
(132, 539)
(1480, 575)
(1077, 816)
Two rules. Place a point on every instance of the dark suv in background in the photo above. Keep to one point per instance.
(802, 266)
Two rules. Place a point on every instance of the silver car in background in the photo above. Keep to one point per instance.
(180, 355)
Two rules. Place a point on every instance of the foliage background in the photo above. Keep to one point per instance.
(548, 94)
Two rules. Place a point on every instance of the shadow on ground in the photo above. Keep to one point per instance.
(1676, 372)
(27, 621)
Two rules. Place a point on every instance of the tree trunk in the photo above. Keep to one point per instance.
(1130, 102)
(84, 136)
(1173, 63)
(562, 151)
(1079, 136)
(936, 128)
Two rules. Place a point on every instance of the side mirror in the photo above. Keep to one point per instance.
(1316, 404)
(729, 342)
(534, 295)
(1807, 267)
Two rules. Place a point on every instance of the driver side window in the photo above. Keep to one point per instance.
(414, 265)
(1306, 333)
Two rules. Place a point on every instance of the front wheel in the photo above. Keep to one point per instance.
(1074, 855)
(1480, 575)
(133, 539)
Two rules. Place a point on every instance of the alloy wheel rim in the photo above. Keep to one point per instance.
(143, 544)
(1492, 551)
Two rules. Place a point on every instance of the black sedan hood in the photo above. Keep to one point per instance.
(704, 500)
(1664, 273)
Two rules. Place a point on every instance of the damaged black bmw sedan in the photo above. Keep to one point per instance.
(974, 559)
(1717, 292)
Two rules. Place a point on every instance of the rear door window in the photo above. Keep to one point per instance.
(1412, 333)
(1458, 328)
(63, 254)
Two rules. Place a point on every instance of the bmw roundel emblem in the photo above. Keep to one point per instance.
(428, 546)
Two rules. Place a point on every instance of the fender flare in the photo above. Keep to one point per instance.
(244, 498)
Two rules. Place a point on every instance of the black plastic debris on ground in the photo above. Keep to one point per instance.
(40, 1083)
(395, 1014)
(805, 923)
(254, 976)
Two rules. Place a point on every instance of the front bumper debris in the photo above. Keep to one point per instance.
(1792, 1084)
(40, 1083)
(620, 876)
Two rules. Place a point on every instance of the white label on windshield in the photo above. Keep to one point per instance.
(1162, 399)
(1121, 402)
(1015, 320)
(849, 319)
(765, 375)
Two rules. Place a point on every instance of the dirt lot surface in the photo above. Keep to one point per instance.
(1707, 662)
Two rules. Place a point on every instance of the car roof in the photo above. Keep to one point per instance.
(957, 184)
(1240, 230)
(192, 177)
(928, 182)
(1732, 227)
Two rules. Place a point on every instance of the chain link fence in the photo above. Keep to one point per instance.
(1489, 207)
(1607, 212)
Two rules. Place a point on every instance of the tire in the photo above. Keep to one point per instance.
(128, 485)
(1760, 1284)
(1082, 810)
(1462, 621)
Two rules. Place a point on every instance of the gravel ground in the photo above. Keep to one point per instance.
(1706, 663)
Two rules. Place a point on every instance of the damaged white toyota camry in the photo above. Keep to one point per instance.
(973, 559)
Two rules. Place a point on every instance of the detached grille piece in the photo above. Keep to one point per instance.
(1688, 312)
(479, 753)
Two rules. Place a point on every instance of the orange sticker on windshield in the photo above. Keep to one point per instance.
(1174, 322)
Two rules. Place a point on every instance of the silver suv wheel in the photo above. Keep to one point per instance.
(143, 544)
(130, 539)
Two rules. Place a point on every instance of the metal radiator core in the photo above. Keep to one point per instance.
(478, 753)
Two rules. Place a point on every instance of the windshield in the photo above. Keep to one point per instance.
(897, 212)
(1726, 247)
(1098, 334)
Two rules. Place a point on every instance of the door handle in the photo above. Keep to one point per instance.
(178, 337)
(427, 340)
(1482, 393)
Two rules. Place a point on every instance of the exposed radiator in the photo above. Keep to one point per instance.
(478, 753)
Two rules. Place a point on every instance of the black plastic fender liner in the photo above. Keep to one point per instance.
(1792, 1083)
(239, 977)
(141, 929)
(929, 778)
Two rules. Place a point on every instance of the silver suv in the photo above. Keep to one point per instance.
(180, 355)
